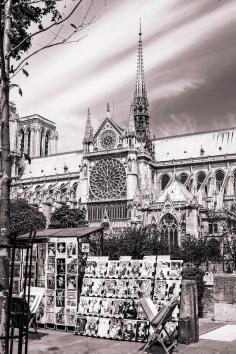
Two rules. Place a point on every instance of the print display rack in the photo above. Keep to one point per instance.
(109, 303)
(59, 305)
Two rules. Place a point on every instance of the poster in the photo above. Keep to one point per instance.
(129, 330)
(123, 270)
(112, 267)
(109, 289)
(160, 289)
(142, 331)
(101, 268)
(162, 270)
(61, 250)
(60, 298)
(87, 287)
(50, 297)
(83, 305)
(72, 265)
(130, 310)
(91, 326)
(106, 307)
(145, 287)
(175, 269)
(115, 329)
(121, 288)
(51, 249)
(133, 288)
(118, 308)
(60, 315)
(97, 287)
(71, 298)
(61, 265)
(51, 265)
(135, 268)
(80, 325)
(94, 306)
(90, 268)
(60, 281)
(103, 327)
(71, 249)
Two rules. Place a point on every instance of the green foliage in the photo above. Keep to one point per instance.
(24, 218)
(194, 273)
(24, 15)
(65, 217)
(137, 243)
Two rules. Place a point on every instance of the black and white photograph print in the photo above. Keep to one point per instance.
(71, 282)
(103, 327)
(91, 326)
(124, 268)
(71, 249)
(97, 287)
(144, 287)
(60, 298)
(83, 305)
(135, 268)
(80, 325)
(147, 269)
(175, 269)
(71, 299)
(129, 330)
(115, 329)
(72, 265)
(94, 306)
(141, 315)
(121, 288)
(50, 281)
(60, 315)
(61, 281)
(130, 309)
(61, 265)
(50, 297)
(141, 331)
(61, 249)
(133, 288)
(160, 289)
(109, 288)
(112, 267)
(50, 317)
(106, 307)
(118, 308)
(87, 287)
(101, 268)
(51, 249)
(51, 265)
(162, 269)
(90, 268)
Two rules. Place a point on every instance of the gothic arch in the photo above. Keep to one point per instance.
(47, 140)
(164, 179)
(22, 140)
(183, 177)
(169, 230)
(219, 175)
(201, 176)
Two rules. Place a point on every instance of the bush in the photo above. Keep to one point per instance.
(65, 217)
(25, 217)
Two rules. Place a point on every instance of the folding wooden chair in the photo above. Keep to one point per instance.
(158, 320)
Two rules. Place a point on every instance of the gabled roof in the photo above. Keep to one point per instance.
(113, 124)
(176, 192)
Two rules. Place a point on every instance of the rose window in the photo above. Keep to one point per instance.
(108, 180)
(108, 140)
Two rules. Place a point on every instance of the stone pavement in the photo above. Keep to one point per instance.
(57, 342)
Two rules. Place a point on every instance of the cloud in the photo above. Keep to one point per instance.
(188, 48)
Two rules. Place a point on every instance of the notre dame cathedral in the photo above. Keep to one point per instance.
(185, 184)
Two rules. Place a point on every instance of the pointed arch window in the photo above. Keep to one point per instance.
(220, 175)
(169, 230)
(22, 140)
(201, 176)
(183, 177)
(164, 181)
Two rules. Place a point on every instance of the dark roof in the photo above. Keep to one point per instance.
(70, 232)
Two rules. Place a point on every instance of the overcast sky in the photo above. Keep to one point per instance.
(189, 60)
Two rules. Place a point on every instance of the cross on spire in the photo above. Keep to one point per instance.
(88, 129)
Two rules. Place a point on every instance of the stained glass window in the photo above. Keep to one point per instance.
(108, 180)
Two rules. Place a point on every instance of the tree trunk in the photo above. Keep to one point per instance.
(6, 176)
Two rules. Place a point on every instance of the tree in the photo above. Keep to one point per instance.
(24, 218)
(65, 217)
(22, 22)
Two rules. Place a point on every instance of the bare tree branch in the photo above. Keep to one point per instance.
(44, 29)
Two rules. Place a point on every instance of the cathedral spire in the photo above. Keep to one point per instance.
(88, 129)
(140, 90)
(140, 102)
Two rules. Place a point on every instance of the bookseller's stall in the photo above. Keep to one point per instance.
(59, 258)
(109, 303)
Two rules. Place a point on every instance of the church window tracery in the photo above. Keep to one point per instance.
(201, 176)
(169, 230)
(164, 181)
(183, 177)
(219, 180)
(108, 180)
(108, 139)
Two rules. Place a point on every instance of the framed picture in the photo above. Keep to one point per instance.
(103, 327)
(87, 287)
(71, 249)
(72, 265)
(50, 281)
(109, 289)
(94, 306)
(141, 331)
(80, 325)
(61, 265)
(91, 326)
(83, 305)
(106, 307)
(124, 268)
(51, 265)
(115, 329)
(61, 250)
(60, 315)
(135, 268)
(61, 281)
(71, 298)
(129, 330)
(112, 267)
(51, 249)
(71, 282)
(50, 297)
(60, 298)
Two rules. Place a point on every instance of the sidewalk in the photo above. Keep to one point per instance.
(56, 342)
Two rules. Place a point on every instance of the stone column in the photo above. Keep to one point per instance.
(32, 142)
(26, 133)
(43, 144)
(188, 319)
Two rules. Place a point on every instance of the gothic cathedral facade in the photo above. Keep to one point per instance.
(185, 184)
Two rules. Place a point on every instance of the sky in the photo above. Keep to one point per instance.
(189, 61)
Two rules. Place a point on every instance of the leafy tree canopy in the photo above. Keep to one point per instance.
(24, 218)
(65, 217)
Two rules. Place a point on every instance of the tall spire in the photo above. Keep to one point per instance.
(140, 102)
(140, 90)
(88, 129)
